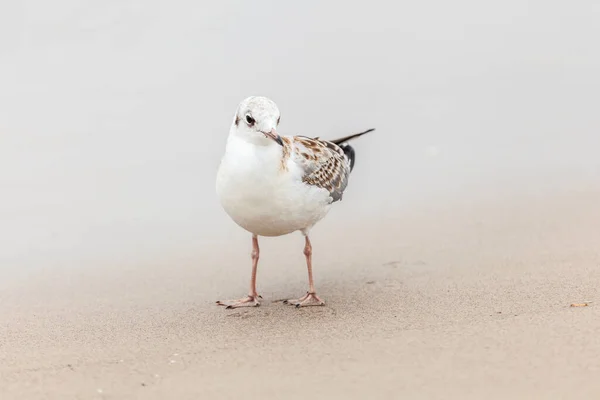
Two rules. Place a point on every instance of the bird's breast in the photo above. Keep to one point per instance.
(263, 197)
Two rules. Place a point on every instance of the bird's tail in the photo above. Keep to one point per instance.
(348, 150)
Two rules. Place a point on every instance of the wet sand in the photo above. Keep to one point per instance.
(464, 300)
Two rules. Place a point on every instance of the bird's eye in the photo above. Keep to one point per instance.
(278, 119)
(250, 120)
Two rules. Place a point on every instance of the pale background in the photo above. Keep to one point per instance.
(114, 115)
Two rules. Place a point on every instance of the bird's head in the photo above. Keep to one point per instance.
(256, 121)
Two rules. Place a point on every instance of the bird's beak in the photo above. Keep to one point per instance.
(273, 135)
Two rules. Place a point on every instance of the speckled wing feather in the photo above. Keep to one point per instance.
(325, 164)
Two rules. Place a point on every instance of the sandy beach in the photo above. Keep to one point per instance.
(468, 300)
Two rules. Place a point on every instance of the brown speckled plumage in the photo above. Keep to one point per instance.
(287, 149)
(325, 164)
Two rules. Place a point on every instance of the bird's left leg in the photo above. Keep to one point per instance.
(310, 298)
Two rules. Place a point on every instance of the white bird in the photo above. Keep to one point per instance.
(272, 185)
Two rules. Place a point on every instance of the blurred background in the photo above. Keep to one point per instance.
(114, 114)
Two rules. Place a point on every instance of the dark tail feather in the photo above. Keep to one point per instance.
(353, 136)
(348, 150)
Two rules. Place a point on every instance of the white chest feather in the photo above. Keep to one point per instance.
(262, 195)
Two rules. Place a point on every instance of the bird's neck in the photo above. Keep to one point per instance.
(241, 148)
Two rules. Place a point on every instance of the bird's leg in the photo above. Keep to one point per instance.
(310, 298)
(252, 299)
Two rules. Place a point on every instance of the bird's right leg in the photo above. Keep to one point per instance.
(252, 299)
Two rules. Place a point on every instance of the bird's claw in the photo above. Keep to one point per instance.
(309, 299)
(248, 301)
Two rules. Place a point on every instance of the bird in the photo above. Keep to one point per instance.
(272, 185)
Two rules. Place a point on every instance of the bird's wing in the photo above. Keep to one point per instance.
(324, 163)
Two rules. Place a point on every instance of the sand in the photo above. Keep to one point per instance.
(468, 299)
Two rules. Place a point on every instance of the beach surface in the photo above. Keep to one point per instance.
(466, 300)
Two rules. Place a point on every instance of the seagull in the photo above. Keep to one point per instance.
(273, 185)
